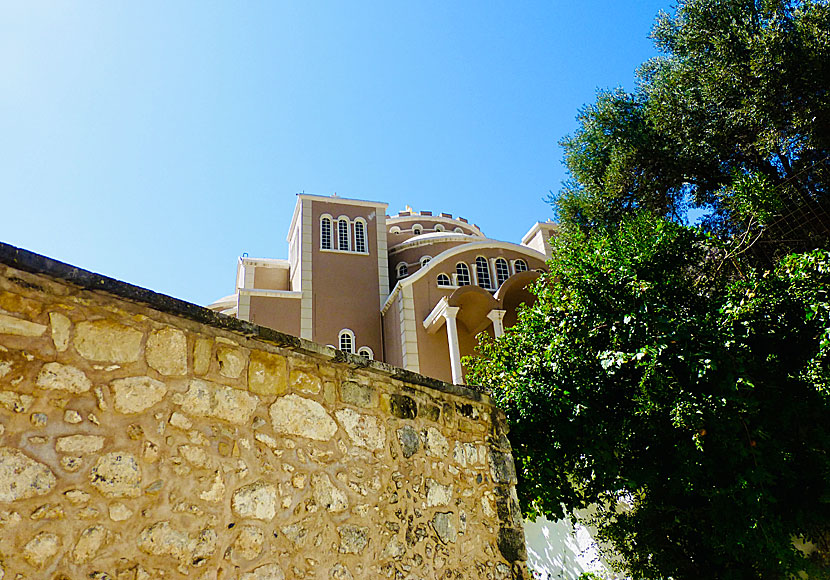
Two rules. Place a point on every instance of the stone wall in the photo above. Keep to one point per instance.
(144, 437)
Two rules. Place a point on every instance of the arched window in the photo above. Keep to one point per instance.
(444, 280)
(439, 228)
(343, 234)
(483, 272)
(367, 352)
(417, 230)
(403, 270)
(458, 231)
(346, 340)
(502, 271)
(359, 236)
(425, 260)
(394, 230)
(519, 266)
(462, 274)
(325, 233)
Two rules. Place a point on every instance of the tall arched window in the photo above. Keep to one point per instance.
(483, 272)
(444, 280)
(343, 235)
(462, 274)
(519, 266)
(359, 236)
(346, 340)
(403, 270)
(325, 233)
(502, 271)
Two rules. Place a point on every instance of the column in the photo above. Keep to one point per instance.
(497, 316)
(450, 312)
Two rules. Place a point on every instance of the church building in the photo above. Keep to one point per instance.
(412, 290)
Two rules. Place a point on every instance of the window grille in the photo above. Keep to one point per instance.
(520, 266)
(483, 272)
(403, 270)
(367, 352)
(444, 280)
(343, 235)
(346, 340)
(502, 271)
(359, 237)
(462, 274)
(325, 234)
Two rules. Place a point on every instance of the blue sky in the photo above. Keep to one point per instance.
(155, 142)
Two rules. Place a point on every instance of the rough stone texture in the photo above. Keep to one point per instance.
(22, 477)
(205, 399)
(267, 373)
(257, 500)
(166, 351)
(295, 415)
(124, 459)
(117, 475)
(57, 377)
(365, 430)
(107, 341)
(19, 327)
(136, 394)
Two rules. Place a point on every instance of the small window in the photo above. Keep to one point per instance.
(425, 260)
(520, 266)
(444, 280)
(394, 230)
(346, 340)
(483, 272)
(403, 270)
(458, 231)
(359, 236)
(417, 230)
(325, 233)
(343, 235)
(365, 351)
(439, 228)
(462, 274)
(502, 271)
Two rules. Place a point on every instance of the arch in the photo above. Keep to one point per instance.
(475, 303)
(417, 229)
(365, 351)
(519, 266)
(425, 260)
(360, 236)
(458, 231)
(462, 274)
(394, 230)
(444, 280)
(345, 339)
(502, 271)
(343, 237)
(402, 269)
(483, 272)
(325, 232)
(439, 227)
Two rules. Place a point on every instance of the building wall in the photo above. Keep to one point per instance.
(144, 437)
(282, 313)
(271, 278)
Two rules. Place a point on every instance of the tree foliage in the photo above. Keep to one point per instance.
(692, 409)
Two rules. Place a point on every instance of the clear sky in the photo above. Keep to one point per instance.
(155, 142)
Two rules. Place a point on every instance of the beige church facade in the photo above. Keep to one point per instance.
(412, 290)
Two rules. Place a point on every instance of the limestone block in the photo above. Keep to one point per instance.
(48, 511)
(267, 373)
(327, 495)
(79, 444)
(89, 543)
(340, 572)
(16, 402)
(20, 327)
(403, 407)
(161, 539)
(194, 455)
(22, 477)
(395, 549)
(61, 326)
(13, 302)
(249, 542)
(296, 532)
(409, 440)
(40, 549)
(502, 468)
(57, 377)
(72, 417)
(107, 341)
(136, 394)
(166, 351)
(305, 382)
(466, 454)
(364, 430)
(257, 500)
(264, 572)
(358, 395)
(117, 474)
(231, 361)
(353, 538)
(438, 494)
(442, 523)
(120, 512)
(295, 415)
(206, 399)
(435, 443)
(216, 492)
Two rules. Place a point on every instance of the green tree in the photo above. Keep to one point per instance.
(741, 94)
(692, 410)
